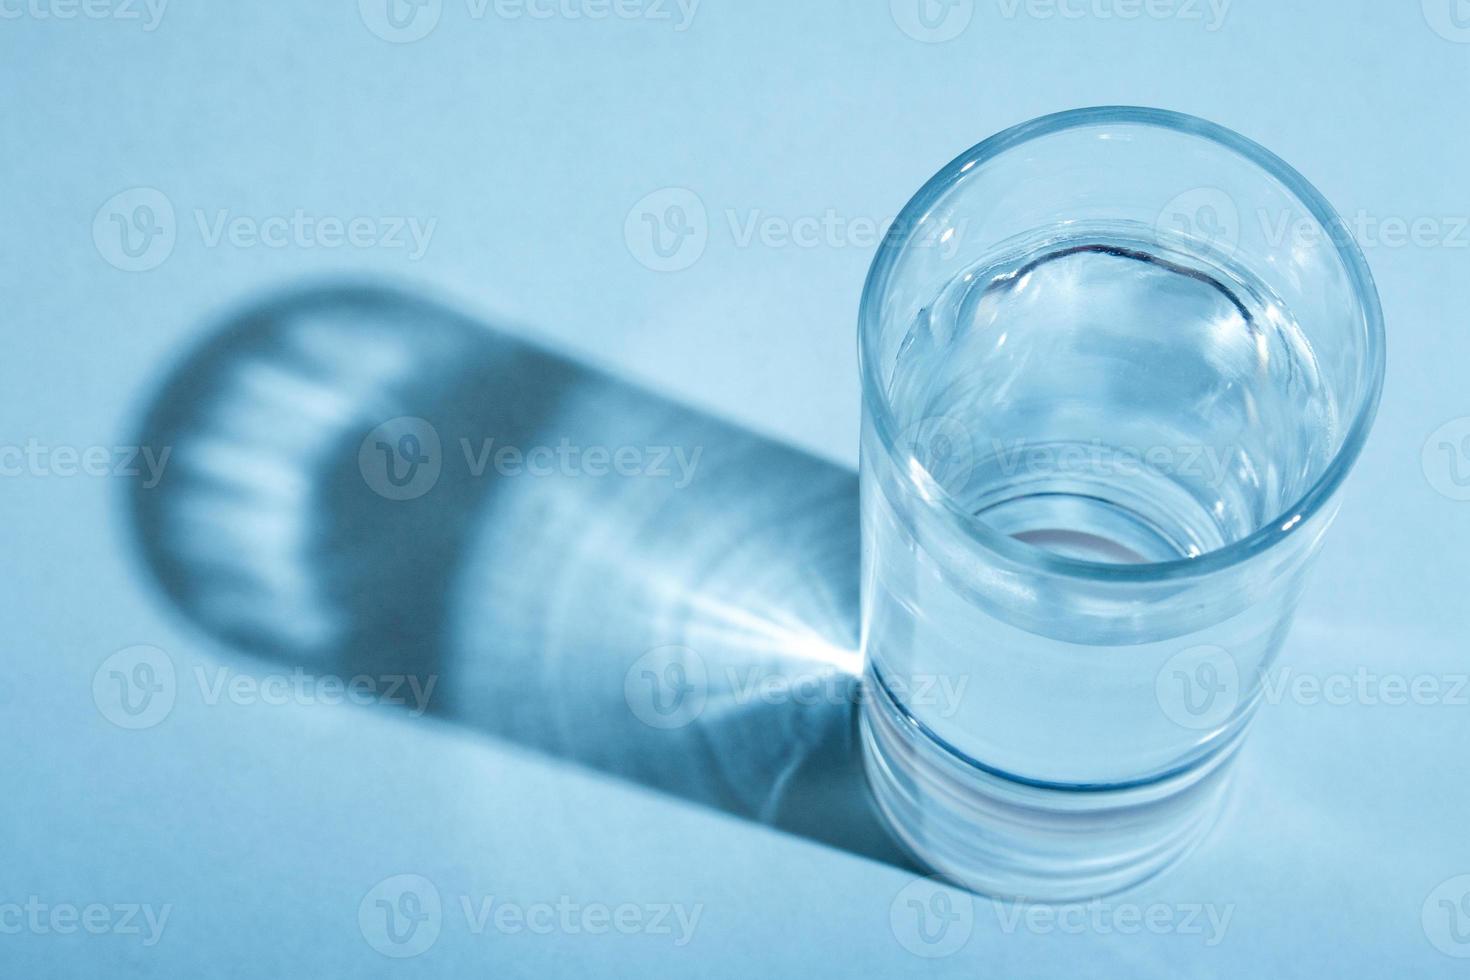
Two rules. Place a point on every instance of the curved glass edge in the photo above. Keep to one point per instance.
(1216, 749)
(1030, 557)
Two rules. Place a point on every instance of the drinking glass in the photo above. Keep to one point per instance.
(1116, 365)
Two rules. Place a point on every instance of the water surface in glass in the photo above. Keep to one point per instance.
(1111, 399)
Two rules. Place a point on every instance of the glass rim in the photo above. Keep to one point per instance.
(1031, 557)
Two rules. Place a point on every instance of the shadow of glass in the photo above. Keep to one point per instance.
(368, 485)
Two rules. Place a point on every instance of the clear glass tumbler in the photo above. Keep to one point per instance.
(1116, 364)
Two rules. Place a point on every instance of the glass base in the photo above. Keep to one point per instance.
(1010, 839)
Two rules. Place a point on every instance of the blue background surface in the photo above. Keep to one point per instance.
(528, 141)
